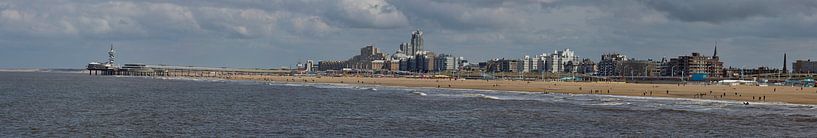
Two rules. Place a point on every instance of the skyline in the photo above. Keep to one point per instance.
(265, 34)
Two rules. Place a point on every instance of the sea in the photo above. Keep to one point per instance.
(43, 104)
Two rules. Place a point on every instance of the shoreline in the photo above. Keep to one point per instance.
(752, 94)
(511, 91)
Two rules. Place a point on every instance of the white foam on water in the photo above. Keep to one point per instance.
(367, 88)
(653, 103)
(490, 97)
(611, 103)
(617, 101)
(182, 78)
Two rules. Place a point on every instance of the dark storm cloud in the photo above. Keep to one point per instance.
(716, 11)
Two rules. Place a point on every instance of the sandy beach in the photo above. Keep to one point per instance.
(787, 94)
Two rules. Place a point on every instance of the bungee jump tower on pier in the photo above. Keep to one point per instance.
(107, 68)
(110, 68)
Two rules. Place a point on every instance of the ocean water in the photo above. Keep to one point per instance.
(79, 105)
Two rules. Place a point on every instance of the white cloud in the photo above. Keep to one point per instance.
(371, 13)
(241, 23)
(313, 25)
(11, 15)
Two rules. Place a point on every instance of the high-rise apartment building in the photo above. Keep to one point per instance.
(416, 42)
(556, 61)
(693, 64)
(610, 64)
(804, 66)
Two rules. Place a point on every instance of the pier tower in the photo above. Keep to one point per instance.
(111, 56)
(107, 68)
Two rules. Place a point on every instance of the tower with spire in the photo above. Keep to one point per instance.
(785, 67)
(111, 56)
(715, 54)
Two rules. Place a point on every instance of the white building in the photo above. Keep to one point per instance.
(447, 62)
(556, 62)
(309, 65)
(530, 64)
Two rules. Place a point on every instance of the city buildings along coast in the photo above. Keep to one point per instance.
(411, 58)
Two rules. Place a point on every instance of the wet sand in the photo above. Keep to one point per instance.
(750, 94)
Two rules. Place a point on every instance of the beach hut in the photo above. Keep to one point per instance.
(808, 82)
(738, 82)
(571, 79)
(699, 76)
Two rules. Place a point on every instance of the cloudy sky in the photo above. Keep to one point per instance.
(275, 33)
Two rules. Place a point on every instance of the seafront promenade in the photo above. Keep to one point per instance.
(751, 94)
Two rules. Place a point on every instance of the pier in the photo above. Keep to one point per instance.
(110, 68)
(180, 71)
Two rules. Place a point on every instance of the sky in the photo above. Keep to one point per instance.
(277, 33)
